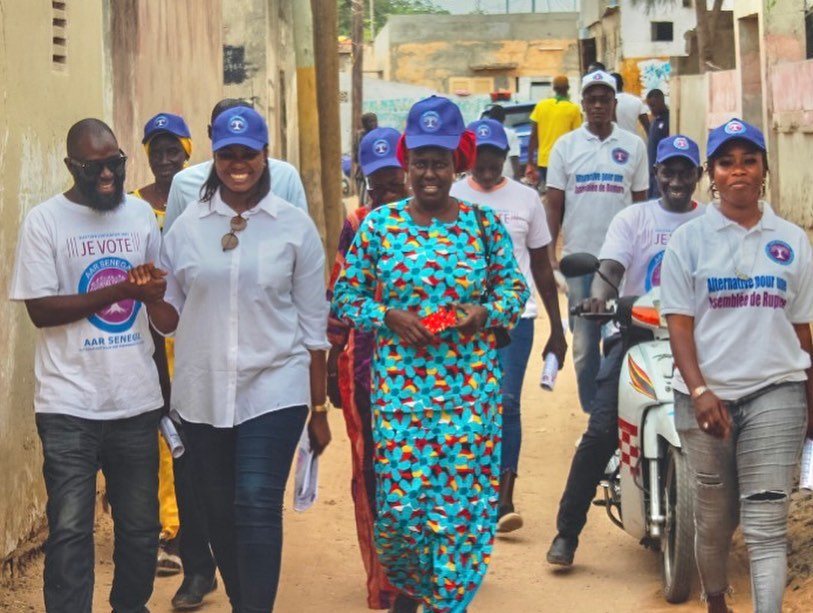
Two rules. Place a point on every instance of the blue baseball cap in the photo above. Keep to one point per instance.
(678, 146)
(239, 125)
(378, 150)
(434, 122)
(734, 128)
(489, 132)
(165, 123)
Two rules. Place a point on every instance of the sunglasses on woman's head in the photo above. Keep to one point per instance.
(94, 168)
(230, 240)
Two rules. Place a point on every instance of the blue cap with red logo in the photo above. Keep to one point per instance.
(378, 150)
(678, 146)
(434, 122)
(489, 132)
(165, 123)
(239, 125)
(734, 128)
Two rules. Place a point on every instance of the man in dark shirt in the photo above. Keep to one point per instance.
(658, 130)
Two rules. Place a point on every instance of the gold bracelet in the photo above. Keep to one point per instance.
(319, 408)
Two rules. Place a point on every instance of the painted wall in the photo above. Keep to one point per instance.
(159, 50)
(39, 101)
(419, 49)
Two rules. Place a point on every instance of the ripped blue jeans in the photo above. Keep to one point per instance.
(746, 478)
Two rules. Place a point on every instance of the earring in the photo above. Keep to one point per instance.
(764, 189)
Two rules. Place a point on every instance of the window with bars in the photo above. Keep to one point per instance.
(662, 31)
(59, 35)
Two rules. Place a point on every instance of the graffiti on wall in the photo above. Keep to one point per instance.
(654, 74)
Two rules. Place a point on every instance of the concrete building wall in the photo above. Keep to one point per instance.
(259, 65)
(434, 50)
(40, 100)
(166, 56)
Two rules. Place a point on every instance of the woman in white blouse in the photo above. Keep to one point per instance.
(246, 299)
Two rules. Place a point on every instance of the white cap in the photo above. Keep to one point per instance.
(599, 77)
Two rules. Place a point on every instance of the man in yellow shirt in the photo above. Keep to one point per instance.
(550, 119)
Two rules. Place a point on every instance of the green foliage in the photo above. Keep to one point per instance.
(383, 9)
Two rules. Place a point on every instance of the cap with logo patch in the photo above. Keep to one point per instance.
(239, 125)
(378, 150)
(734, 128)
(165, 123)
(599, 77)
(489, 132)
(678, 146)
(434, 122)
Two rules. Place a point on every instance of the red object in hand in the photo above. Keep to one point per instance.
(440, 320)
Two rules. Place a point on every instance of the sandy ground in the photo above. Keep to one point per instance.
(322, 571)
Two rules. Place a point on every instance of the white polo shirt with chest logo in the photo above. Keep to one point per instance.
(745, 289)
(598, 178)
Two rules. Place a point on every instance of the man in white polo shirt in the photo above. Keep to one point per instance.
(631, 259)
(593, 173)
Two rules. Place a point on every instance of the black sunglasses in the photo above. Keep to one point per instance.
(94, 168)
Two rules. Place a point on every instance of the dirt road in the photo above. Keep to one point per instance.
(322, 571)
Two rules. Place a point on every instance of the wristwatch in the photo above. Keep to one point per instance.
(699, 391)
(319, 408)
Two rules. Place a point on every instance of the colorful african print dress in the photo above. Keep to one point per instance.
(354, 385)
(436, 409)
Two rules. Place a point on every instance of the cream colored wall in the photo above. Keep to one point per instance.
(167, 57)
(37, 106)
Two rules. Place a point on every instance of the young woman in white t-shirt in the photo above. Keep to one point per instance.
(737, 290)
(519, 209)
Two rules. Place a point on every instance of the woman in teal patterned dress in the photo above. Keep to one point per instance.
(436, 397)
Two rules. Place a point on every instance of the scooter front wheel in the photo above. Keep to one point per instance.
(677, 539)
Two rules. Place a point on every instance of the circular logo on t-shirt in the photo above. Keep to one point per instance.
(381, 147)
(621, 156)
(653, 271)
(430, 121)
(237, 125)
(734, 127)
(780, 252)
(681, 143)
(119, 316)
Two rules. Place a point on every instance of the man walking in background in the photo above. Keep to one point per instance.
(658, 130)
(629, 110)
(594, 172)
(550, 119)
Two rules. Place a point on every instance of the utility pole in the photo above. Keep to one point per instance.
(357, 34)
(325, 37)
(310, 166)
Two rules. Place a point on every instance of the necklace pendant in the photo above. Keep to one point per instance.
(741, 275)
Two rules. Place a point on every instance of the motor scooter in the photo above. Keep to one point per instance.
(647, 488)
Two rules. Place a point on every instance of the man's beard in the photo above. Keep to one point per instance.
(101, 202)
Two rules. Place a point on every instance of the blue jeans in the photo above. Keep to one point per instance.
(74, 450)
(746, 478)
(514, 360)
(239, 475)
(596, 447)
(586, 342)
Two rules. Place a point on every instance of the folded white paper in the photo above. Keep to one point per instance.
(806, 476)
(306, 476)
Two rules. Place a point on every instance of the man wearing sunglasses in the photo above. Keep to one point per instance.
(97, 398)
(187, 184)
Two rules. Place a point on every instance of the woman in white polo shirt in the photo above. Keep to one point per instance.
(737, 290)
(246, 292)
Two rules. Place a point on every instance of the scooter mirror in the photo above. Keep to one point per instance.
(578, 264)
